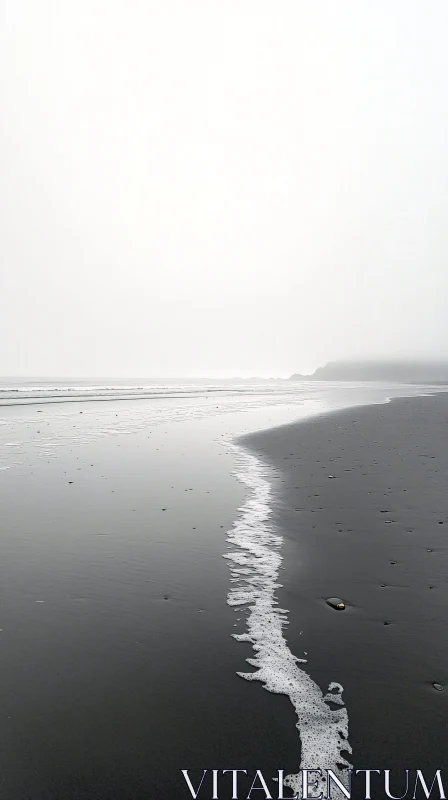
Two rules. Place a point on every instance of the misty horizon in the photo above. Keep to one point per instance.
(233, 376)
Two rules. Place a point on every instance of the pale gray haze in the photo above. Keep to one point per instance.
(221, 187)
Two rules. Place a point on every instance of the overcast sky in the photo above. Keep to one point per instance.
(219, 187)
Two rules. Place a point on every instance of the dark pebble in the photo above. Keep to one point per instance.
(336, 602)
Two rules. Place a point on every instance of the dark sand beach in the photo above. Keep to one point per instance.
(118, 667)
(362, 502)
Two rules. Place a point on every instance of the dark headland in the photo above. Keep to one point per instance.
(361, 498)
(429, 372)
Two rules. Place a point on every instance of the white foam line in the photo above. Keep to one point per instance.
(255, 567)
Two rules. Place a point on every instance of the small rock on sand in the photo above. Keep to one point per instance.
(336, 602)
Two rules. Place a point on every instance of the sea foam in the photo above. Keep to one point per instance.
(255, 567)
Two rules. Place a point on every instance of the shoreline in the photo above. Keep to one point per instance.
(255, 572)
(119, 664)
(360, 499)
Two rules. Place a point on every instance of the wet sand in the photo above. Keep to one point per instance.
(117, 667)
(362, 501)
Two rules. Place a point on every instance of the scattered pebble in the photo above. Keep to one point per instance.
(438, 687)
(336, 602)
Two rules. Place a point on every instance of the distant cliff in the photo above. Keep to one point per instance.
(389, 371)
